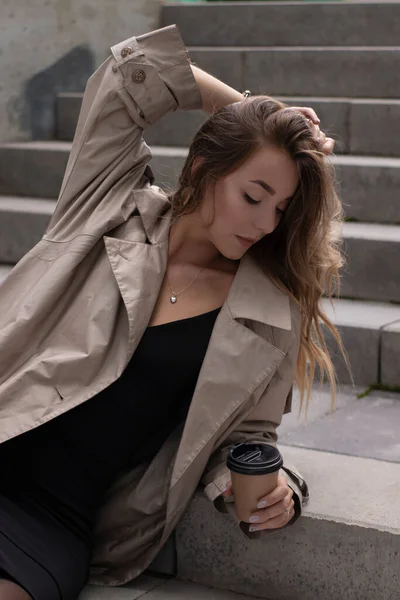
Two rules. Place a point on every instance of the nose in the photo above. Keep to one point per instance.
(267, 223)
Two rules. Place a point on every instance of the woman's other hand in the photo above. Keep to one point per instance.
(327, 144)
(277, 508)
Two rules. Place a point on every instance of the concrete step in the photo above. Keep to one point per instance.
(370, 333)
(373, 262)
(33, 168)
(359, 125)
(369, 187)
(363, 424)
(37, 169)
(22, 224)
(286, 23)
(345, 546)
(158, 588)
(304, 70)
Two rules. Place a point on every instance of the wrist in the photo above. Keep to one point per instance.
(215, 94)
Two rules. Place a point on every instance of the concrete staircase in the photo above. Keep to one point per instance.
(342, 59)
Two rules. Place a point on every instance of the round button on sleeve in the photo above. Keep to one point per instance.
(126, 51)
(139, 76)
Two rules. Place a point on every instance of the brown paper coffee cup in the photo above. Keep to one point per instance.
(254, 469)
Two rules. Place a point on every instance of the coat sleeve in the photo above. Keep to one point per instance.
(275, 400)
(144, 78)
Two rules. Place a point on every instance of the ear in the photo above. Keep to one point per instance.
(196, 163)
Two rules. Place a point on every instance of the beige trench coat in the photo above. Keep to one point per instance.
(75, 307)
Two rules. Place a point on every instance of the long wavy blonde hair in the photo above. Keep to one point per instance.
(303, 254)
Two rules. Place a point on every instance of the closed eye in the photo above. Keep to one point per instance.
(250, 200)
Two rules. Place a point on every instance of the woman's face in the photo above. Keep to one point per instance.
(250, 202)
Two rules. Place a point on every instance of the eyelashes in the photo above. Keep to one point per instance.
(251, 201)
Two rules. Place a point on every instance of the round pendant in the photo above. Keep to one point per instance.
(173, 299)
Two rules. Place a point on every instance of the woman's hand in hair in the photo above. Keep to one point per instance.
(327, 144)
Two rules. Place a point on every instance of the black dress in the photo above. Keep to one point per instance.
(53, 478)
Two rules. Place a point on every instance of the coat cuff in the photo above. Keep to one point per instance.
(216, 487)
(156, 73)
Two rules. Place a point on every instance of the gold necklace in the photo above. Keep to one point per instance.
(174, 295)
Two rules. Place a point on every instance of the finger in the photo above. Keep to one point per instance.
(277, 495)
(308, 112)
(328, 146)
(262, 516)
(228, 491)
(276, 522)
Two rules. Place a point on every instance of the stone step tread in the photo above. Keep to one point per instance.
(66, 146)
(372, 231)
(250, 48)
(361, 425)
(364, 314)
(336, 100)
(167, 589)
(366, 161)
(26, 204)
(181, 152)
(330, 472)
(53, 145)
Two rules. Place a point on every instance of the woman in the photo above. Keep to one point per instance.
(145, 334)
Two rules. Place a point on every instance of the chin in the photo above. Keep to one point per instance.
(233, 254)
(230, 251)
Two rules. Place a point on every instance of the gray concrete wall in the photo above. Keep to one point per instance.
(48, 46)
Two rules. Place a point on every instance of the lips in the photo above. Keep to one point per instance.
(245, 241)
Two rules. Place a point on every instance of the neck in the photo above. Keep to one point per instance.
(189, 242)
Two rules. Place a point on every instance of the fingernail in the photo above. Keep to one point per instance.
(262, 504)
(254, 519)
(253, 528)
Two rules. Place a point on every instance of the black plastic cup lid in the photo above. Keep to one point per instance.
(254, 458)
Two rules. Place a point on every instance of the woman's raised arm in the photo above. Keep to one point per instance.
(144, 78)
(214, 93)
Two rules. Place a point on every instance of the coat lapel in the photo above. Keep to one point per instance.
(138, 256)
(237, 360)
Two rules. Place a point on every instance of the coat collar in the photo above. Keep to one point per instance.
(253, 295)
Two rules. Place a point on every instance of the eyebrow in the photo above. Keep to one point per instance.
(268, 188)
(264, 185)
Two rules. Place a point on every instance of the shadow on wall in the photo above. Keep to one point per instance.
(69, 74)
